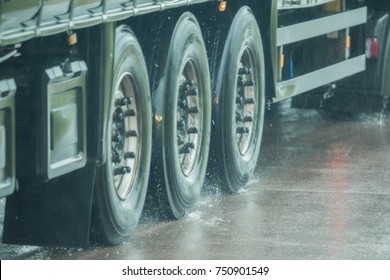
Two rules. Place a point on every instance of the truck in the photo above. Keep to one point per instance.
(106, 105)
(367, 91)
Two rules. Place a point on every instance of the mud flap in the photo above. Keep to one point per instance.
(56, 213)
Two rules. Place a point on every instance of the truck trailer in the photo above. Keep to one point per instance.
(106, 105)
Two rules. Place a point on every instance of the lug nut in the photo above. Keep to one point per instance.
(116, 159)
(190, 83)
(248, 119)
(193, 110)
(132, 133)
(118, 116)
(123, 101)
(122, 170)
(244, 71)
(180, 141)
(186, 149)
(250, 100)
(248, 83)
(242, 130)
(116, 137)
(182, 103)
(192, 130)
(131, 113)
(192, 91)
(186, 85)
(180, 124)
(130, 155)
(239, 81)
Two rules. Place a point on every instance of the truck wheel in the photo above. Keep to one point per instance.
(121, 188)
(185, 129)
(385, 81)
(241, 101)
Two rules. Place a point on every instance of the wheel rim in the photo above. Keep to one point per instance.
(246, 100)
(126, 135)
(189, 118)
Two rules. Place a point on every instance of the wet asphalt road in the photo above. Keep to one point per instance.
(321, 191)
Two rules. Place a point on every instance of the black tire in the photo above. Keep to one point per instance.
(121, 189)
(385, 81)
(186, 121)
(239, 113)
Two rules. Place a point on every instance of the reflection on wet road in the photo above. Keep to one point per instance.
(321, 191)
